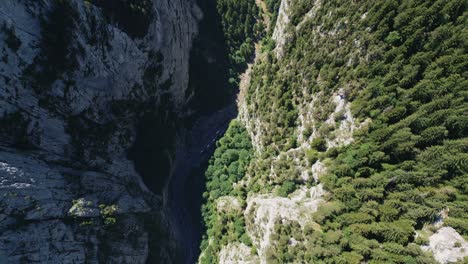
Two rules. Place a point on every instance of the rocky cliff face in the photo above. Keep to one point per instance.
(77, 81)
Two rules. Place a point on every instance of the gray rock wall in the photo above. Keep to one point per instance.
(73, 86)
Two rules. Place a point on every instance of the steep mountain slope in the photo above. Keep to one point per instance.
(350, 144)
(93, 96)
(351, 141)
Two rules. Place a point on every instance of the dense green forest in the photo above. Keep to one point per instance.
(227, 166)
(273, 8)
(241, 29)
(403, 65)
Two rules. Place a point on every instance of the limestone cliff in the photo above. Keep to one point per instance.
(77, 81)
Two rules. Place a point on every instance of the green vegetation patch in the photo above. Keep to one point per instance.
(404, 65)
(240, 21)
(226, 168)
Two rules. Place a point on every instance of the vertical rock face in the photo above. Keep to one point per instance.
(280, 33)
(77, 82)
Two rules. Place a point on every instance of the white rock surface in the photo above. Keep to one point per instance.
(228, 204)
(280, 34)
(237, 253)
(264, 210)
(447, 245)
(347, 124)
(318, 170)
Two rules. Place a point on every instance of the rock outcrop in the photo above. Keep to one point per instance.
(237, 253)
(264, 211)
(447, 245)
(280, 34)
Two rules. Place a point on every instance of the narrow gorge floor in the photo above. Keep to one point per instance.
(187, 184)
(216, 107)
(209, 67)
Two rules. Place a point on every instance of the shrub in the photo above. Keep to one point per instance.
(312, 156)
(108, 213)
(393, 38)
(319, 144)
(286, 188)
(460, 224)
(433, 135)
